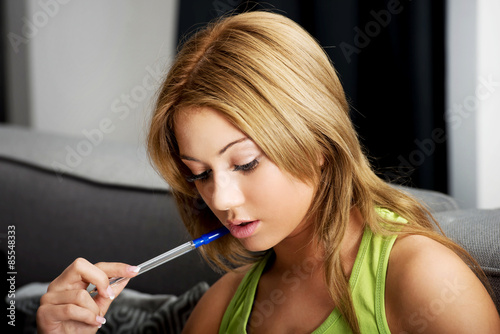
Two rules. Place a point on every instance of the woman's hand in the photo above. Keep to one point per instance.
(67, 307)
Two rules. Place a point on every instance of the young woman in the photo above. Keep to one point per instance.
(253, 122)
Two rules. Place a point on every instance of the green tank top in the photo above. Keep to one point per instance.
(367, 284)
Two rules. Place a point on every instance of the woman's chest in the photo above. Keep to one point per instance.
(299, 308)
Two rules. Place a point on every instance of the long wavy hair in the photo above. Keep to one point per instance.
(274, 82)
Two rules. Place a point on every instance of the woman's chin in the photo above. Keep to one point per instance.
(255, 245)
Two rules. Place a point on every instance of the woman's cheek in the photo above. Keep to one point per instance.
(205, 192)
(264, 185)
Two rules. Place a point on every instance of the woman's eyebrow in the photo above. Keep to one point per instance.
(224, 149)
(231, 144)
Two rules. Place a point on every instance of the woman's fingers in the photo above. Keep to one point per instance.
(81, 272)
(115, 269)
(78, 275)
(79, 298)
(104, 302)
(68, 307)
(50, 317)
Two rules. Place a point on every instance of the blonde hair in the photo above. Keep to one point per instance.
(273, 81)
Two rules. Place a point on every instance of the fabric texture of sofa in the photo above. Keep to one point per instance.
(70, 197)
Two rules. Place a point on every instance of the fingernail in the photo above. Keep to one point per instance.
(133, 269)
(110, 292)
(100, 320)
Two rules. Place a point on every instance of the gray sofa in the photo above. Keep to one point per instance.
(70, 197)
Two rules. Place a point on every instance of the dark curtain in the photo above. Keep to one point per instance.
(390, 59)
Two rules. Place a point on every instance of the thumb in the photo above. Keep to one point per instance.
(114, 270)
(114, 290)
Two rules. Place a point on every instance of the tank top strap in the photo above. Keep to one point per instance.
(239, 309)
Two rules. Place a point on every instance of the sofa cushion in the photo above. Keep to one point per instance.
(131, 312)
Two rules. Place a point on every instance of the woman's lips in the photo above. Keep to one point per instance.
(243, 229)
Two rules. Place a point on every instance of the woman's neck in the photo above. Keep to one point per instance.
(302, 249)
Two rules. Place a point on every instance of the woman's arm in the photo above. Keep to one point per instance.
(208, 313)
(429, 289)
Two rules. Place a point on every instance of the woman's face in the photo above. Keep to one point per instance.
(259, 203)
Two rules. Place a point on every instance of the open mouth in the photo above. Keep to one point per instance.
(243, 230)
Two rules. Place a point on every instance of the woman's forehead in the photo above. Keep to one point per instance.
(204, 127)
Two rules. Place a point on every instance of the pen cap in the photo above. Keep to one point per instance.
(209, 237)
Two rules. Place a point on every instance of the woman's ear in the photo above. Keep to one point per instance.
(320, 159)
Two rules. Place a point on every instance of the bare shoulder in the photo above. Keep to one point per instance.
(207, 315)
(429, 289)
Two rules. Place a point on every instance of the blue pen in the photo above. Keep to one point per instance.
(167, 256)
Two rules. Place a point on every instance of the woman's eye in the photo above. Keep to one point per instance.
(247, 167)
(199, 177)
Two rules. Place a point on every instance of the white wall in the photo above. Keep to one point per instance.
(488, 114)
(461, 82)
(92, 64)
(473, 101)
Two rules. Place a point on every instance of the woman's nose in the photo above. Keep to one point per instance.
(227, 193)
